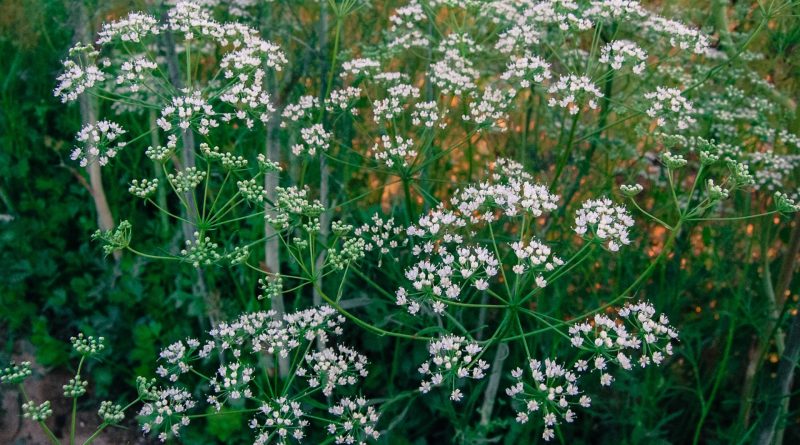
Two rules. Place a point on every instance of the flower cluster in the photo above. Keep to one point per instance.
(144, 188)
(166, 411)
(535, 255)
(228, 160)
(550, 394)
(526, 69)
(385, 110)
(668, 105)
(446, 268)
(282, 419)
(444, 275)
(114, 239)
(360, 67)
(15, 374)
(76, 79)
(110, 412)
(333, 367)
(342, 99)
(190, 110)
(132, 28)
(313, 138)
(608, 222)
(235, 350)
(381, 235)
(37, 413)
(356, 422)
(76, 387)
(200, 251)
(428, 115)
(186, 180)
(87, 345)
(300, 110)
(637, 336)
(679, 35)
(624, 52)
(98, 143)
(573, 92)
(453, 359)
(292, 204)
(249, 98)
(132, 72)
(454, 74)
(490, 109)
(394, 151)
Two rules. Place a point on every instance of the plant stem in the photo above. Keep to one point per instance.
(368, 326)
(75, 406)
(95, 434)
(409, 204)
(721, 369)
(43, 425)
(567, 151)
(602, 121)
(490, 394)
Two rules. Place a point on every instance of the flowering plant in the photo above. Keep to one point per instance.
(489, 185)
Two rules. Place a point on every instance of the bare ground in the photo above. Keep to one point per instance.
(41, 386)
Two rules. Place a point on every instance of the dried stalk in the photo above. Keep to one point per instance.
(88, 107)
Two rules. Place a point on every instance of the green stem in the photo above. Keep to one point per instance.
(635, 204)
(365, 325)
(152, 257)
(409, 204)
(43, 425)
(722, 368)
(223, 413)
(95, 434)
(49, 433)
(567, 151)
(75, 406)
(165, 212)
(188, 65)
(734, 218)
(523, 339)
(640, 279)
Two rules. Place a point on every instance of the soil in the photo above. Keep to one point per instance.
(47, 385)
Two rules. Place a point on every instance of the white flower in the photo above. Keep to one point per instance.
(394, 151)
(608, 222)
(623, 52)
(313, 138)
(303, 109)
(547, 391)
(76, 79)
(525, 69)
(360, 67)
(98, 143)
(668, 105)
(133, 72)
(573, 92)
(454, 74)
(190, 110)
(679, 34)
(357, 422)
(133, 28)
(427, 114)
(490, 109)
(453, 359)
